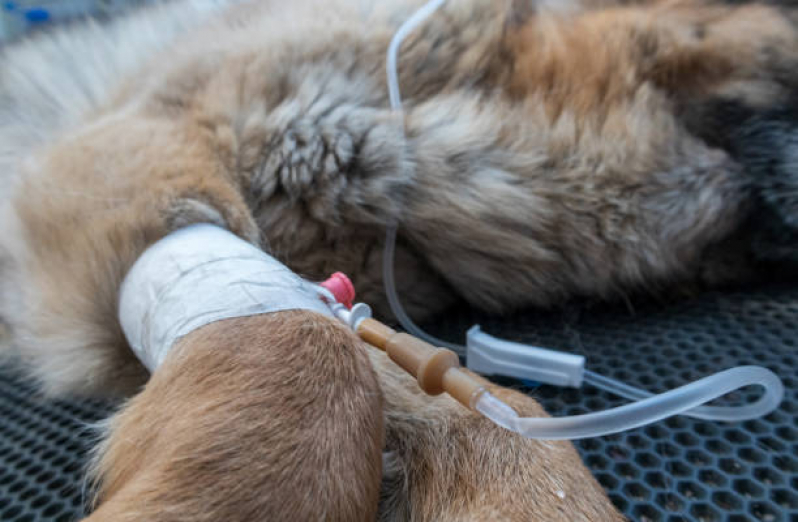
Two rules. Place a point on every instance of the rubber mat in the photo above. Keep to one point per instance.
(677, 470)
(44, 447)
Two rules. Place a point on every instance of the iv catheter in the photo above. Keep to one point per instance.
(179, 284)
(438, 370)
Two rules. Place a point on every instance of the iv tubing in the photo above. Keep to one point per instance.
(392, 70)
(405, 29)
(707, 387)
(438, 370)
(396, 305)
(774, 391)
(646, 411)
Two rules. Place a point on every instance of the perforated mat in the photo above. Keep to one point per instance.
(677, 470)
(43, 452)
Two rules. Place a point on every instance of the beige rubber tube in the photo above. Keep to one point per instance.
(437, 370)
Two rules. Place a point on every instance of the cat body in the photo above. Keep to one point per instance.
(543, 153)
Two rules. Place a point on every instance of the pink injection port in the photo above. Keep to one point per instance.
(341, 287)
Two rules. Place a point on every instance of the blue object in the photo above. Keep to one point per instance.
(9, 6)
(37, 16)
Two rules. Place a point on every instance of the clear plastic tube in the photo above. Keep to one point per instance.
(396, 305)
(712, 413)
(642, 412)
(392, 71)
(392, 59)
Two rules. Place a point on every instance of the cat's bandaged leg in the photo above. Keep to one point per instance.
(199, 275)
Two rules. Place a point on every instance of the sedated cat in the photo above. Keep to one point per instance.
(545, 151)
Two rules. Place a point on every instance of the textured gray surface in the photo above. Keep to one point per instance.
(680, 469)
(43, 451)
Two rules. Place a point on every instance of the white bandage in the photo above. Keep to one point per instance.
(199, 275)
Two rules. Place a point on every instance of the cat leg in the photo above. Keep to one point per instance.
(276, 414)
(444, 462)
(270, 417)
(83, 213)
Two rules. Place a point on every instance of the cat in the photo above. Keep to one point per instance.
(546, 151)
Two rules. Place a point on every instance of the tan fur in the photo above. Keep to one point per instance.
(439, 450)
(542, 155)
(271, 417)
